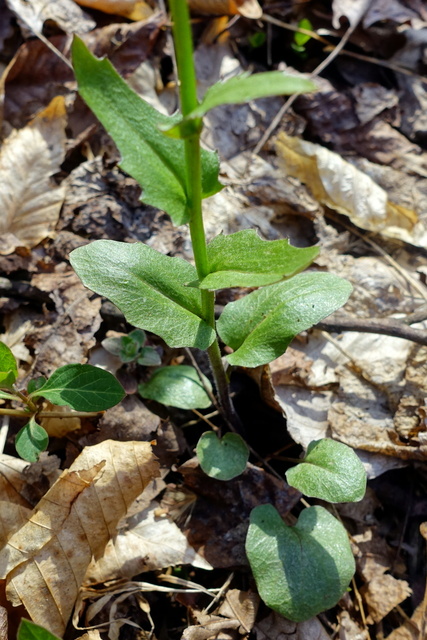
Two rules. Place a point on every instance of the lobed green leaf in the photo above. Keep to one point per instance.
(222, 459)
(177, 386)
(301, 570)
(260, 326)
(330, 471)
(154, 160)
(148, 287)
(8, 367)
(243, 259)
(82, 387)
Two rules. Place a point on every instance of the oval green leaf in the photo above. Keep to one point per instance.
(222, 459)
(148, 287)
(243, 259)
(148, 357)
(82, 387)
(177, 386)
(31, 440)
(8, 367)
(154, 160)
(260, 326)
(31, 631)
(330, 471)
(301, 570)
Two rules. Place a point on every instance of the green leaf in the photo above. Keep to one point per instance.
(129, 349)
(82, 387)
(241, 89)
(8, 367)
(113, 345)
(260, 326)
(301, 39)
(177, 386)
(222, 459)
(138, 336)
(330, 471)
(148, 357)
(148, 287)
(154, 160)
(30, 631)
(36, 383)
(243, 259)
(31, 440)
(9, 396)
(301, 570)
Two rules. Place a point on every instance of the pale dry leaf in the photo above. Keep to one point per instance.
(45, 562)
(341, 186)
(247, 8)
(131, 9)
(155, 542)
(274, 626)
(29, 202)
(59, 427)
(382, 594)
(414, 628)
(92, 634)
(241, 606)
(3, 624)
(67, 15)
(353, 10)
(14, 508)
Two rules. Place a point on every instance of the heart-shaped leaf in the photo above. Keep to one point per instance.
(301, 570)
(222, 459)
(30, 631)
(31, 440)
(8, 367)
(243, 259)
(148, 287)
(260, 326)
(154, 160)
(177, 386)
(241, 89)
(330, 471)
(82, 387)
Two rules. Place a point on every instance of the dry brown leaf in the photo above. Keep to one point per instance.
(247, 8)
(29, 203)
(414, 628)
(67, 15)
(131, 9)
(274, 626)
(45, 561)
(92, 634)
(59, 427)
(154, 542)
(341, 186)
(14, 508)
(242, 606)
(382, 594)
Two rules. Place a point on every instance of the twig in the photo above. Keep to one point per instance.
(383, 326)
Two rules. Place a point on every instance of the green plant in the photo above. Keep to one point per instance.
(132, 348)
(84, 388)
(175, 300)
(30, 631)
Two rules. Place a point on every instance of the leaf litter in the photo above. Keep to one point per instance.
(368, 134)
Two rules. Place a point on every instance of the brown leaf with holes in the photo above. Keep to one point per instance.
(46, 560)
(29, 202)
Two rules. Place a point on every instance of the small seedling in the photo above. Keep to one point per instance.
(299, 570)
(87, 390)
(132, 348)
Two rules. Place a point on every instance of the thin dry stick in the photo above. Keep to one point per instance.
(220, 593)
(383, 326)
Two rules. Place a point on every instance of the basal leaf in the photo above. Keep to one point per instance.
(148, 287)
(31, 440)
(260, 326)
(301, 570)
(243, 259)
(222, 459)
(82, 387)
(154, 160)
(148, 357)
(330, 471)
(30, 631)
(240, 89)
(8, 367)
(177, 386)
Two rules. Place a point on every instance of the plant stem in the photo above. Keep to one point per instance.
(188, 98)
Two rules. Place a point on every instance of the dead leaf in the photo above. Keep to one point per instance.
(29, 203)
(154, 542)
(242, 606)
(58, 427)
(274, 626)
(65, 13)
(45, 561)
(353, 10)
(131, 9)
(344, 188)
(3, 624)
(414, 628)
(247, 8)
(382, 594)
(14, 508)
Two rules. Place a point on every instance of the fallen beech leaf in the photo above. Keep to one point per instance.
(29, 204)
(247, 8)
(131, 9)
(341, 186)
(14, 508)
(382, 594)
(67, 15)
(46, 560)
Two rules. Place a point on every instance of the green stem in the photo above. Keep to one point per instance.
(183, 41)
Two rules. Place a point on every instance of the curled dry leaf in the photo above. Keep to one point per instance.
(14, 508)
(341, 186)
(29, 203)
(131, 9)
(247, 8)
(46, 560)
(65, 13)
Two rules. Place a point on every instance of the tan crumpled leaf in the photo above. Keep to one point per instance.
(155, 542)
(14, 508)
(382, 594)
(341, 186)
(247, 8)
(29, 202)
(131, 9)
(274, 626)
(46, 560)
(67, 15)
